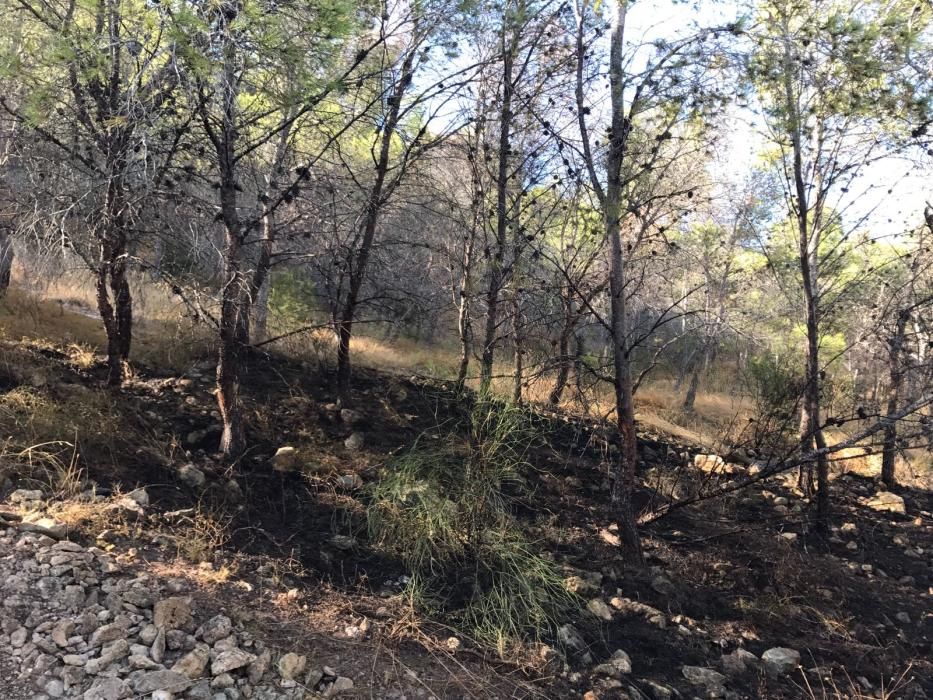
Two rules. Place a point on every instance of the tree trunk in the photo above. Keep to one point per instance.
(518, 343)
(563, 352)
(808, 230)
(895, 377)
(6, 260)
(623, 483)
(359, 262)
(114, 301)
(235, 290)
(496, 266)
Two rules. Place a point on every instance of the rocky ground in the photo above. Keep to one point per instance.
(77, 622)
(162, 573)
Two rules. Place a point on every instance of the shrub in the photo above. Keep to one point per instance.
(446, 513)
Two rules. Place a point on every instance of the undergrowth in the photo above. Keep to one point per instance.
(446, 513)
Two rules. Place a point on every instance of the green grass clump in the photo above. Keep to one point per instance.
(446, 513)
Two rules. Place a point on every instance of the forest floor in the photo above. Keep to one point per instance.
(290, 551)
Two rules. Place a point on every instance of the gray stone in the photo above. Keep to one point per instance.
(191, 476)
(291, 665)
(109, 654)
(286, 459)
(230, 660)
(600, 609)
(215, 629)
(780, 660)
(172, 613)
(355, 441)
(619, 665)
(194, 663)
(161, 680)
(700, 675)
(108, 689)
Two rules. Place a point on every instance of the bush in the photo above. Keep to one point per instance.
(446, 513)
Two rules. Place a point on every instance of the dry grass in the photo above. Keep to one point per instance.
(828, 688)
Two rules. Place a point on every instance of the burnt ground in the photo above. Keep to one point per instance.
(724, 574)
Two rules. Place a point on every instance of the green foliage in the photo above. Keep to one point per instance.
(446, 514)
(291, 297)
(776, 383)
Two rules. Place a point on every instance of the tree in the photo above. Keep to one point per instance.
(838, 93)
(646, 105)
(233, 53)
(118, 103)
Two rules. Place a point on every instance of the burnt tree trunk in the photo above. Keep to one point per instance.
(895, 377)
(497, 262)
(114, 300)
(623, 483)
(375, 201)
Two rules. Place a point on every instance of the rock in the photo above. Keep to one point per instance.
(191, 476)
(570, 638)
(139, 496)
(656, 690)
(780, 660)
(230, 660)
(291, 665)
(171, 613)
(25, 496)
(18, 637)
(286, 459)
(903, 617)
(341, 685)
(108, 689)
(598, 607)
(709, 463)
(738, 662)
(45, 526)
(139, 598)
(108, 655)
(700, 675)
(62, 631)
(161, 680)
(355, 441)
(55, 688)
(194, 663)
(619, 665)
(108, 633)
(351, 417)
(215, 629)
(157, 650)
(885, 501)
(258, 668)
(349, 482)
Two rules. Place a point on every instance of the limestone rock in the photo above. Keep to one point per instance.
(885, 501)
(780, 660)
(171, 613)
(700, 675)
(230, 660)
